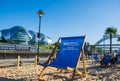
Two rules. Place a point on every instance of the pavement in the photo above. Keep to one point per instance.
(13, 62)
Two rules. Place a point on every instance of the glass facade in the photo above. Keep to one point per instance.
(19, 35)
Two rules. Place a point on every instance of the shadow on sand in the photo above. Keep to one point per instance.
(56, 76)
(7, 79)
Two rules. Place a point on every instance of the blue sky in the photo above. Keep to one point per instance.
(62, 17)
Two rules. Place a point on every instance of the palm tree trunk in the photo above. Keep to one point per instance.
(110, 43)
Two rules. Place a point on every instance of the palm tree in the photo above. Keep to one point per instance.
(111, 31)
(118, 39)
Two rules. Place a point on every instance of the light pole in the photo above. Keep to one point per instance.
(40, 13)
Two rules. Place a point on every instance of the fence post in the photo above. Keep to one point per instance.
(35, 60)
(18, 61)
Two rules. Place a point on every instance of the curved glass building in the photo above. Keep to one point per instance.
(19, 35)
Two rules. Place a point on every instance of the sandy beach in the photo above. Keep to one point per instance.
(30, 73)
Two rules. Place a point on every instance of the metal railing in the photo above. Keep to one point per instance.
(15, 47)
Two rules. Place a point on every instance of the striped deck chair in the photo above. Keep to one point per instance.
(71, 49)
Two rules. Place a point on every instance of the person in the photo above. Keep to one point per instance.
(102, 61)
(113, 57)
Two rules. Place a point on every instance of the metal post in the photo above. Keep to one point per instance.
(40, 13)
(39, 33)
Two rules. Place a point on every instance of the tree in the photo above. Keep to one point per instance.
(94, 48)
(118, 39)
(111, 31)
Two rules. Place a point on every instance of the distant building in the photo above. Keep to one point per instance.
(19, 35)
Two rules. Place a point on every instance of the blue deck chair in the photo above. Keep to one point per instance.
(95, 56)
(71, 49)
(117, 59)
(107, 59)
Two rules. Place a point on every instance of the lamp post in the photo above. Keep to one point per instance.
(40, 13)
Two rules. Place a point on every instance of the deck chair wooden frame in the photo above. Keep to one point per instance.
(74, 70)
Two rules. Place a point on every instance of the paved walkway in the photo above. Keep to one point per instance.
(12, 62)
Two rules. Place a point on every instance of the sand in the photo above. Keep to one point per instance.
(95, 72)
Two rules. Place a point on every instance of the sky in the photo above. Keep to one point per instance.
(62, 18)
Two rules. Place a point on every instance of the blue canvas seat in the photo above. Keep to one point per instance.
(106, 60)
(71, 48)
(95, 56)
(117, 59)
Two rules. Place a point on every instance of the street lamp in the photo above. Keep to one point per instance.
(40, 13)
